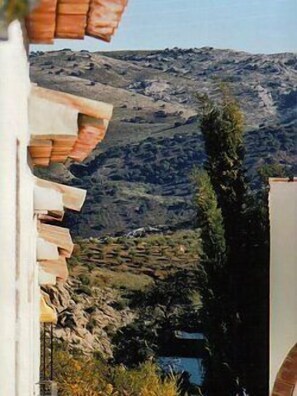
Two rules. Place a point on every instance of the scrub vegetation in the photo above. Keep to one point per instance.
(79, 375)
(139, 175)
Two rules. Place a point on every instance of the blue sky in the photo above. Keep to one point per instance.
(257, 26)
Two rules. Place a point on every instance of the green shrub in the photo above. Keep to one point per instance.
(143, 381)
(84, 289)
(85, 280)
(79, 375)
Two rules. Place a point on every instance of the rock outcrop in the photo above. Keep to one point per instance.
(86, 317)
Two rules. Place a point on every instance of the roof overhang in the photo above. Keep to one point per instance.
(54, 243)
(72, 197)
(73, 19)
(64, 126)
(58, 268)
(46, 250)
(58, 236)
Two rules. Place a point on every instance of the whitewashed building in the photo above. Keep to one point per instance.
(283, 287)
(19, 292)
(39, 127)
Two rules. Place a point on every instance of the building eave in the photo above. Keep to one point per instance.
(64, 126)
(74, 19)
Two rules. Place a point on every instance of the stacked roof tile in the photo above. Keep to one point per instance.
(64, 126)
(104, 18)
(54, 244)
(73, 19)
(41, 23)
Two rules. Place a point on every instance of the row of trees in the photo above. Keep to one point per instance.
(233, 270)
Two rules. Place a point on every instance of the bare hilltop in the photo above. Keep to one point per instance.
(139, 175)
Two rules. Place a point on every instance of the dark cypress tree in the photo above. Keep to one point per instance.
(234, 268)
(215, 313)
(222, 129)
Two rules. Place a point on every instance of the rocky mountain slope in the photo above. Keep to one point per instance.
(139, 176)
(87, 317)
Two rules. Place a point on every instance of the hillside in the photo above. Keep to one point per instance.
(139, 176)
(106, 275)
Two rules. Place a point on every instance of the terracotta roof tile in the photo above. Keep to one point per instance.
(51, 113)
(41, 22)
(73, 197)
(73, 19)
(58, 236)
(104, 18)
(56, 267)
(286, 380)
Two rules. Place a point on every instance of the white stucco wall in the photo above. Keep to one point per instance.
(19, 291)
(283, 272)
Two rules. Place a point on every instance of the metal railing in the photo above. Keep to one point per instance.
(47, 385)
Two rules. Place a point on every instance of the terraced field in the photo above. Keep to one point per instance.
(133, 263)
(106, 274)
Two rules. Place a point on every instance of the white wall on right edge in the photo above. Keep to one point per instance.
(283, 271)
